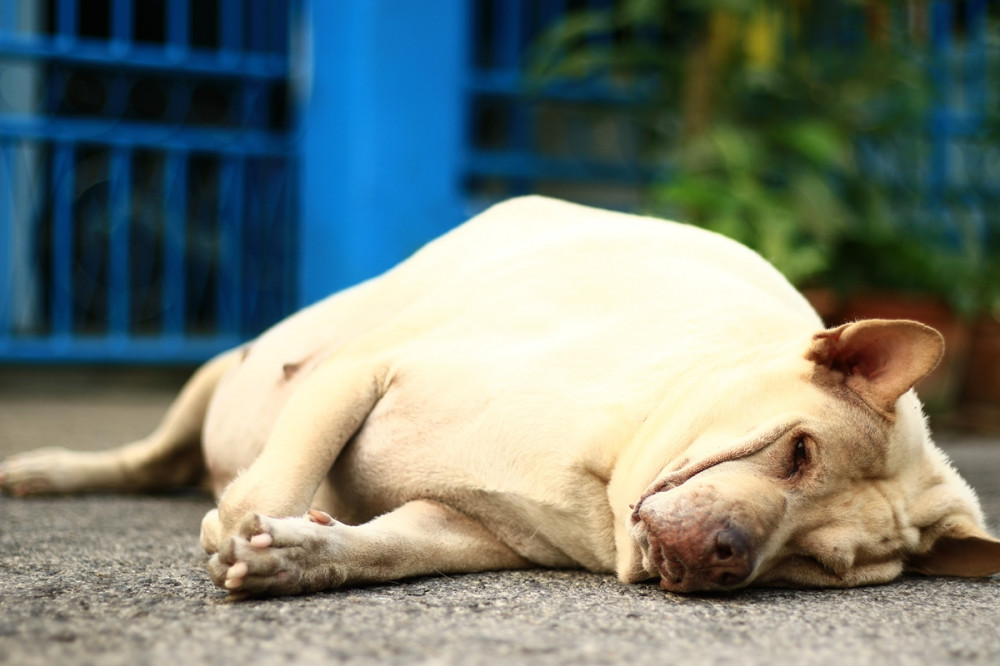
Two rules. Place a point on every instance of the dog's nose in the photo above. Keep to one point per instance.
(729, 562)
(693, 560)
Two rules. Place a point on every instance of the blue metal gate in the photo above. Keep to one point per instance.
(162, 198)
(947, 179)
(578, 140)
(573, 140)
(147, 176)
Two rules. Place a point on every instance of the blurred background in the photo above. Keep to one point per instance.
(176, 175)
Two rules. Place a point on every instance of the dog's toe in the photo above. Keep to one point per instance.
(217, 569)
(251, 525)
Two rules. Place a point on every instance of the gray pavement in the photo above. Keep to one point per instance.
(121, 580)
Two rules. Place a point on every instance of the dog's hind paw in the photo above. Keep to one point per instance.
(51, 470)
(280, 556)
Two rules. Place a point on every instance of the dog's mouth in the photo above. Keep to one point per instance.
(667, 564)
(704, 557)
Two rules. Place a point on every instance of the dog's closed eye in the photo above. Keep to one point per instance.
(800, 457)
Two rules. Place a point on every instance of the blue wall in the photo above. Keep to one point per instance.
(383, 135)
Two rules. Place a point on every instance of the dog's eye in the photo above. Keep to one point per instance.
(800, 456)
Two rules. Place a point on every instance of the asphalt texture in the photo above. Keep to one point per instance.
(121, 580)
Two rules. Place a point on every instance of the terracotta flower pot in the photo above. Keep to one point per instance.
(982, 382)
(981, 392)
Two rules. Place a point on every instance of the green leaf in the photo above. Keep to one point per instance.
(817, 140)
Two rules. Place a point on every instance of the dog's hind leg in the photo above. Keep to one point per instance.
(281, 556)
(169, 457)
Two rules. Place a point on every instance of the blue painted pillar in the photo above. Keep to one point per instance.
(382, 137)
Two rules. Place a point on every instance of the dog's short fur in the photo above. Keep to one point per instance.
(553, 385)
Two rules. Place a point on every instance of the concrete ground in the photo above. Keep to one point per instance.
(121, 580)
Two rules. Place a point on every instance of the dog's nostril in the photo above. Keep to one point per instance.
(729, 559)
(729, 544)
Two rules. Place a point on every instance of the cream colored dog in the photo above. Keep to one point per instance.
(553, 385)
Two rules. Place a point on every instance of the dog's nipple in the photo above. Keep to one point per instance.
(289, 370)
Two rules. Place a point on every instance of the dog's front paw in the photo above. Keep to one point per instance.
(280, 556)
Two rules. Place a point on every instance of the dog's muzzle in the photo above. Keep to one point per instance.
(690, 547)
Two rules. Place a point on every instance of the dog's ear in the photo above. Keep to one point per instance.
(879, 359)
(963, 549)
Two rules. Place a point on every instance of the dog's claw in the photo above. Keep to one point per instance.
(263, 540)
(235, 575)
(320, 517)
(238, 570)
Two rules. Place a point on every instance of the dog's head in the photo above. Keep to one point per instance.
(831, 481)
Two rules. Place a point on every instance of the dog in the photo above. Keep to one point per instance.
(551, 385)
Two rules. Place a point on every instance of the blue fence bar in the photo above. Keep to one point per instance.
(8, 16)
(174, 58)
(174, 243)
(248, 142)
(66, 20)
(121, 26)
(976, 81)
(942, 20)
(510, 38)
(177, 32)
(62, 242)
(8, 188)
(230, 296)
(119, 288)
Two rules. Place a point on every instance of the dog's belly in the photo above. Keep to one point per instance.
(249, 398)
(242, 413)
(530, 460)
(521, 439)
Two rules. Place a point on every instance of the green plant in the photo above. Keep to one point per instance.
(730, 183)
(758, 109)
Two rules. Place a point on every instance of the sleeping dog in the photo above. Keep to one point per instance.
(550, 385)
